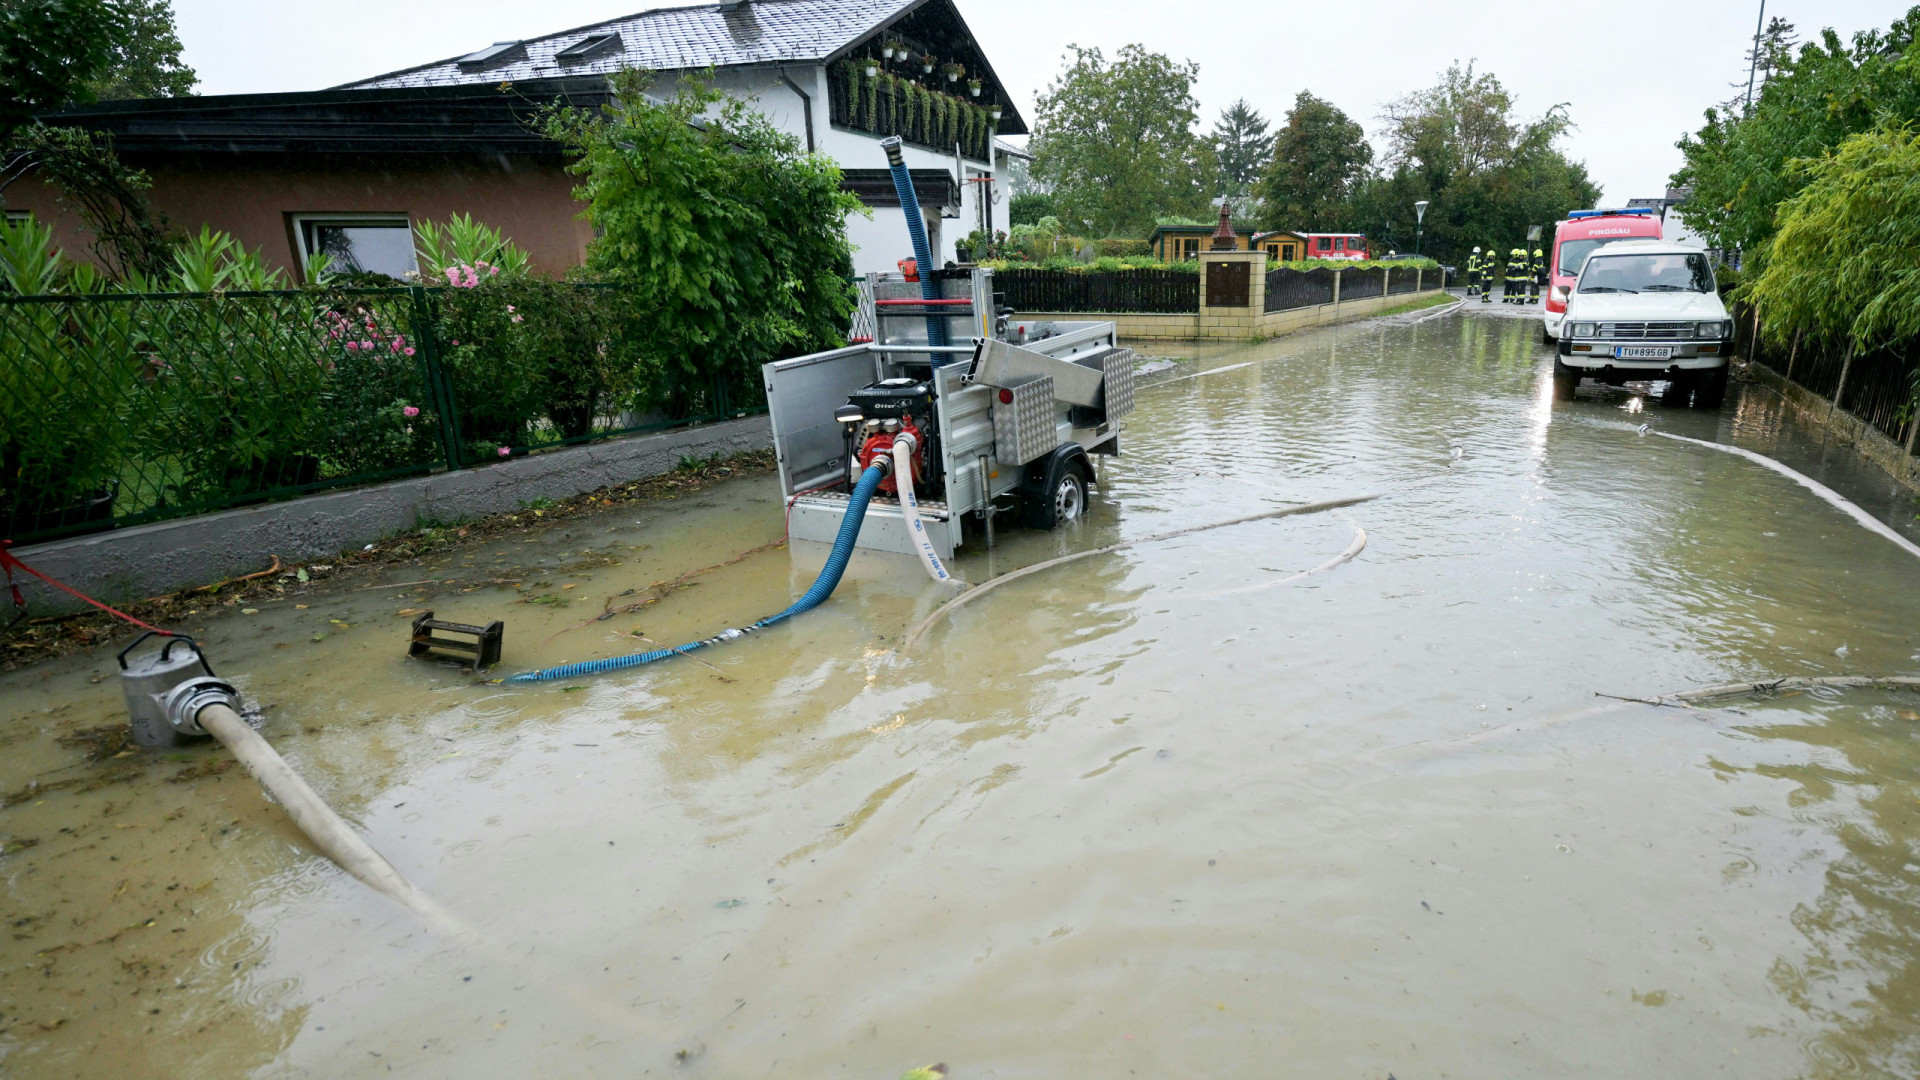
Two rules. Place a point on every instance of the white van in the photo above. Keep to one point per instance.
(1647, 310)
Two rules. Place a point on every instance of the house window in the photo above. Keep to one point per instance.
(17, 217)
(362, 243)
(1190, 248)
(590, 47)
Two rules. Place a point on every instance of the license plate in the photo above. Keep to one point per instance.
(1643, 352)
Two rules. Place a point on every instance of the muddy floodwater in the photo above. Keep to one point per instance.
(1164, 812)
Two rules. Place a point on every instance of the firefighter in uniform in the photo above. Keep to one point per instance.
(1488, 264)
(1539, 276)
(1515, 291)
(1473, 273)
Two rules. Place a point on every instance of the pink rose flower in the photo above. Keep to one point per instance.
(408, 350)
(410, 411)
(506, 451)
(353, 344)
(453, 275)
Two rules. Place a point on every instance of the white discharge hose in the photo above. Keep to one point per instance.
(1840, 502)
(334, 837)
(910, 510)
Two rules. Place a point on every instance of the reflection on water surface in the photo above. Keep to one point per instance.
(1107, 821)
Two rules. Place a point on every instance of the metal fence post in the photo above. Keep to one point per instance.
(439, 387)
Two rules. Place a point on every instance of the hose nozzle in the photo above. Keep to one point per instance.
(891, 144)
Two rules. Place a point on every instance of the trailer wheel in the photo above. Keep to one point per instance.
(1061, 494)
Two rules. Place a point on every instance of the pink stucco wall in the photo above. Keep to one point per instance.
(254, 197)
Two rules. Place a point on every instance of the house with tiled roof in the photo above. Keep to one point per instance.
(351, 168)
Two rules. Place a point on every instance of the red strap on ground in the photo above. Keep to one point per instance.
(8, 560)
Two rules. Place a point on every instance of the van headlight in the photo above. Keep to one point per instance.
(1716, 330)
(1584, 329)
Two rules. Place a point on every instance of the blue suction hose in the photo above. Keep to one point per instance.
(917, 228)
(823, 587)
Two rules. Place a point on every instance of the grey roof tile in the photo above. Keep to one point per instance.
(677, 39)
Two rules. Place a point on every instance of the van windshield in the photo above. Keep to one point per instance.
(1647, 273)
(1573, 253)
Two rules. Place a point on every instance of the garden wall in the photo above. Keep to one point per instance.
(148, 560)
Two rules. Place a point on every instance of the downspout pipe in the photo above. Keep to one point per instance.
(916, 228)
(806, 107)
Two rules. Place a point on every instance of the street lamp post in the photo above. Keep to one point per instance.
(1419, 224)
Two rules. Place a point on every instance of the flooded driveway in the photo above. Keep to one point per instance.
(1161, 813)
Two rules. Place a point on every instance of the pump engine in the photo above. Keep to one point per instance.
(878, 414)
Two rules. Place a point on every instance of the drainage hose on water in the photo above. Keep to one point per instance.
(916, 228)
(823, 587)
(310, 813)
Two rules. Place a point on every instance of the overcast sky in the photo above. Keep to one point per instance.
(1636, 74)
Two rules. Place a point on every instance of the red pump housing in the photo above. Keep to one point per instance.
(880, 445)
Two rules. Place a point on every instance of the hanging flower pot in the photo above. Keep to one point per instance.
(995, 113)
(926, 64)
(973, 87)
(873, 70)
(954, 71)
(886, 51)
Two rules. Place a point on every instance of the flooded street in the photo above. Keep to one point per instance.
(1168, 812)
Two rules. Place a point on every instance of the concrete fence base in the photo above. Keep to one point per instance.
(1236, 324)
(149, 560)
(1862, 436)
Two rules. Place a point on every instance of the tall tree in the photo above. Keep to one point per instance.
(1115, 143)
(1241, 146)
(1743, 167)
(146, 55)
(1319, 159)
(50, 53)
(1488, 172)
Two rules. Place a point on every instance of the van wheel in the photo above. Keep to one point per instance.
(1678, 392)
(1545, 337)
(1566, 380)
(1711, 390)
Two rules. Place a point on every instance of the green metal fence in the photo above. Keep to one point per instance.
(120, 408)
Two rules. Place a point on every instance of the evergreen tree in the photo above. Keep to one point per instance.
(1241, 146)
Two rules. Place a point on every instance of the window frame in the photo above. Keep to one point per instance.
(298, 221)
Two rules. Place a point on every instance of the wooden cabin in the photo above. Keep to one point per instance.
(1281, 245)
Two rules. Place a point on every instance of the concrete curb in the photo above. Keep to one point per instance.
(1863, 437)
(148, 560)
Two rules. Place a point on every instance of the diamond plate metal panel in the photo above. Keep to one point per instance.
(1118, 384)
(1024, 429)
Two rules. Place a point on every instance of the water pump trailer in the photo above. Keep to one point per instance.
(993, 414)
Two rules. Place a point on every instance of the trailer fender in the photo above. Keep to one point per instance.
(1044, 496)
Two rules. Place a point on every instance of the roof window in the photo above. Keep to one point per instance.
(590, 47)
(500, 52)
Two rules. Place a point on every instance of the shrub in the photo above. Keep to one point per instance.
(1845, 261)
(732, 241)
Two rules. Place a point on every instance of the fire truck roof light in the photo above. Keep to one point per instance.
(1579, 214)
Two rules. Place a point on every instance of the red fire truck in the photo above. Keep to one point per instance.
(1583, 233)
(1336, 245)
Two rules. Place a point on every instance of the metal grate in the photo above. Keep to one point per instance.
(1117, 388)
(1640, 331)
(1024, 428)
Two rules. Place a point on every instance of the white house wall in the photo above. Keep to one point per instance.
(879, 242)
